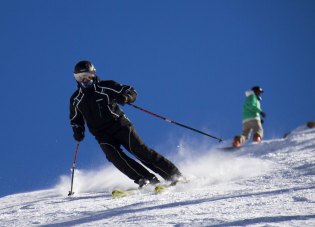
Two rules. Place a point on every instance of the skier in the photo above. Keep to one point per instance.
(311, 124)
(252, 121)
(95, 102)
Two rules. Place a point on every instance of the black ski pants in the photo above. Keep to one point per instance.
(127, 137)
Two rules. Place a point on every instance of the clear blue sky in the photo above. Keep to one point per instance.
(190, 61)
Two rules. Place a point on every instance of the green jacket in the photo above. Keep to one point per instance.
(251, 107)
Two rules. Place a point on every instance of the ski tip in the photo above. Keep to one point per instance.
(160, 188)
(117, 193)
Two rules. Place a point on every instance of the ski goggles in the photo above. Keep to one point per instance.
(84, 76)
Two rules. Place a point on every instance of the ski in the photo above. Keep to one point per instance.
(158, 189)
(119, 193)
(161, 188)
(231, 148)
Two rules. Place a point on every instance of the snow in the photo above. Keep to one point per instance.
(270, 184)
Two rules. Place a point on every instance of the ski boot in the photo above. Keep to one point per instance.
(257, 138)
(142, 182)
(237, 141)
(154, 181)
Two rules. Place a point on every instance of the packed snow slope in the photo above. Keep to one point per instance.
(267, 184)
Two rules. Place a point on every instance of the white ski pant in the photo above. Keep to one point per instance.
(253, 126)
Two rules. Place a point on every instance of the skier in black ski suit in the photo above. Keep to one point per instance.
(95, 103)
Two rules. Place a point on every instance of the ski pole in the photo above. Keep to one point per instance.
(174, 122)
(73, 167)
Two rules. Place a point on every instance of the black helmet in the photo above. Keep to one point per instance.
(84, 67)
(257, 88)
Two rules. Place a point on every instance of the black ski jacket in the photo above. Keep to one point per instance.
(98, 107)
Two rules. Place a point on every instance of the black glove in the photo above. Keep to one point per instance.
(78, 135)
(122, 99)
(263, 114)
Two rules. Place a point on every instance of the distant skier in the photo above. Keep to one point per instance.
(252, 121)
(95, 102)
(311, 124)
